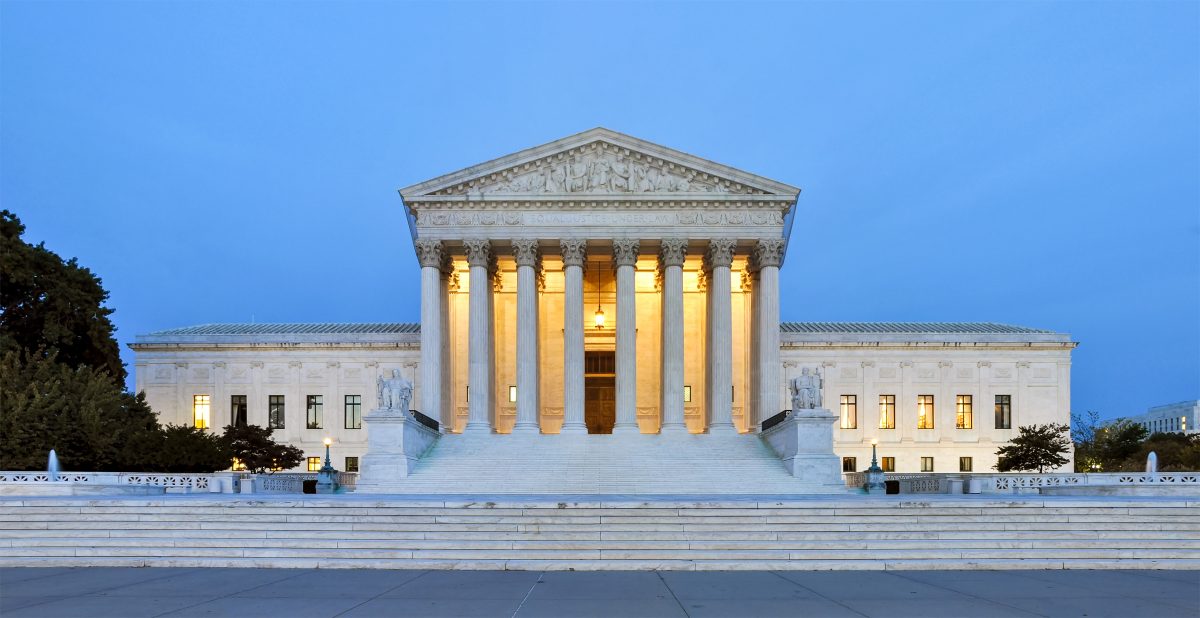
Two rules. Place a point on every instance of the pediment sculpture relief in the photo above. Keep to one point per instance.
(599, 168)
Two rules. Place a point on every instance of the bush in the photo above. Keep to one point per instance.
(253, 447)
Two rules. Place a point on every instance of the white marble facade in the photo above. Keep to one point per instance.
(679, 255)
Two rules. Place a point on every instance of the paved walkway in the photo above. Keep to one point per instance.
(300, 593)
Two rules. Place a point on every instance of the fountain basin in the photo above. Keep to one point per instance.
(60, 488)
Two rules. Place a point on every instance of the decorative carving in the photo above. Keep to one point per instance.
(719, 253)
(219, 364)
(829, 363)
(429, 253)
(944, 364)
(526, 252)
(600, 167)
(747, 281)
(181, 365)
(334, 364)
(673, 252)
(983, 364)
(574, 251)
(256, 364)
(866, 364)
(479, 252)
(625, 252)
(767, 252)
(295, 364)
(1023, 364)
(906, 363)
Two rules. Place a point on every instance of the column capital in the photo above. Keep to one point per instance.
(526, 252)
(672, 252)
(767, 252)
(479, 252)
(625, 252)
(719, 253)
(574, 251)
(429, 252)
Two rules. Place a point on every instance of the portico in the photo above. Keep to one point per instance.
(599, 243)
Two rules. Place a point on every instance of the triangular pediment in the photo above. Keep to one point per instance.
(598, 162)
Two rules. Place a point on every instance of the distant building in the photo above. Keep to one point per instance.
(1173, 417)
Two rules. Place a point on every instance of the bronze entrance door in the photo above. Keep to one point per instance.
(600, 391)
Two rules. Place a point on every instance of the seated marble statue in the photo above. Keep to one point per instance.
(395, 393)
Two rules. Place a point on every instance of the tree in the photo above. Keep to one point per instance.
(1036, 447)
(1176, 452)
(81, 412)
(1083, 433)
(53, 305)
(189, 450)
(1117, 443)
(253, 447)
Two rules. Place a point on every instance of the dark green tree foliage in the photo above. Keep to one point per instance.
(1036, 447)
(81, 412)
(1117, 444)
(53, 305)
(253, 447)
(1176, 452)
(188, 449)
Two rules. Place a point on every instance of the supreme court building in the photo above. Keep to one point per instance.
(602, 284)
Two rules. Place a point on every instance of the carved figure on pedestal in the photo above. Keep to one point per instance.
(395, 392)
(621, 180)
(806, 390)
(577, 175)
(600, 177)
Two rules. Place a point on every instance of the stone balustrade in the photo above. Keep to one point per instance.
(939, 482)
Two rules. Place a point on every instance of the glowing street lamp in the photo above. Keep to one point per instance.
(327, 475)
(874, 473)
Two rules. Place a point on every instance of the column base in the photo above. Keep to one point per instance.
(477, 428)
(673, 429)
(627, 429)
(575, 428)
(526, 428)
(723, 429)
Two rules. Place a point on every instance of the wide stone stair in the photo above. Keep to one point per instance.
(602, 464)
(544, 533)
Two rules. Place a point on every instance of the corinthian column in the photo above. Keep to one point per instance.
(765, 261)
(574, 254)
(528, 263)
(670, 264)
(433, 302)
(717, 261)
(625, 256)
(479, 367)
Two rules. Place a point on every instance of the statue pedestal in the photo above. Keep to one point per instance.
(395, 441)
(804, 441)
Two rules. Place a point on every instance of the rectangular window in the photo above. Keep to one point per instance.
(275, 411)
(887, 411)
(849, 464)
(351, 464)
(924, 411)
(239, 410)
(200, 411)
(964, 418)
(887, 464)
(313, 405)
(926, 464)
(1003, 411)
(353, 411)
(964, 464)
(849, 411)
(687, 394)
(314, 464)
(512, 394)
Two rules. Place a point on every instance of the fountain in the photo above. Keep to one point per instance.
(52, 466)
(1152, 463)
(56, 484)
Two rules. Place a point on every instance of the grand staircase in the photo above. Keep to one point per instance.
(847, 532)
(602, 464)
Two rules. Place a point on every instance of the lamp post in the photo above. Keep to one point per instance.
(874, 473)
(327, 476)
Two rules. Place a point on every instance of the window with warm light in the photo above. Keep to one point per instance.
(887, 464)
(238, 466)
(313, 407)
(351, 464)
(239, 410)
(964, 418)
(887, 411)
(926, 464)
(353, 411)
(1003, 411)
(275, 411)
(512, 394)
(849, 405)
(314, 464)
(924, 411)
(200, 411)
(687, 394)
(849, 464)
(964, 464)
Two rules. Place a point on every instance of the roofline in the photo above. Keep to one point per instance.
(415, 191)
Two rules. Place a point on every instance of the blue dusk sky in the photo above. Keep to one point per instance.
(1028, 163)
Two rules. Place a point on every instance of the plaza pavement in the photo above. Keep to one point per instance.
(302, 593)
